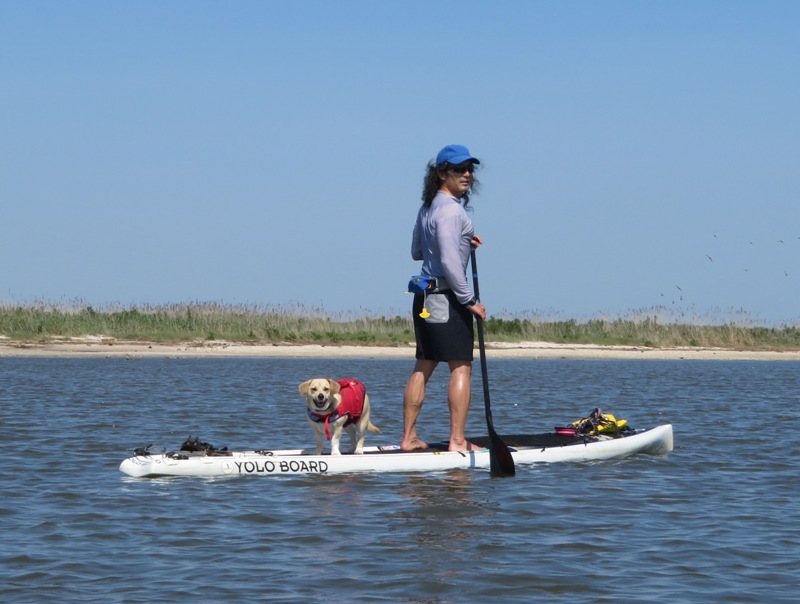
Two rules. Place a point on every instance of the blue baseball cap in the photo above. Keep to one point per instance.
(455, 154)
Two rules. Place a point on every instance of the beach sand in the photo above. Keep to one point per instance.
(104, 347)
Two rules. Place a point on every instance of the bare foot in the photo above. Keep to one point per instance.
(465, 447)
(413, 445)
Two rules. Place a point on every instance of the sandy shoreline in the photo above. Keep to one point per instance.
(99, 347)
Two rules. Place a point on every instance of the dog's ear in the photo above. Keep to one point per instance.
(303, 388)
(335, 387)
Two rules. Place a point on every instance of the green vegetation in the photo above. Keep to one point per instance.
(199, 321)
(647, 332)
(299, 325)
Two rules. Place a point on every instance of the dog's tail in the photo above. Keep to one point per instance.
(373, 428)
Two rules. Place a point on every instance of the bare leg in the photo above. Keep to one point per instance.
(458, 396)
(413, 397)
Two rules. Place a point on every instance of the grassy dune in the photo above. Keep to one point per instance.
(258, 325)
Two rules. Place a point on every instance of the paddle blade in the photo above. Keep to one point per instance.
(501, 462)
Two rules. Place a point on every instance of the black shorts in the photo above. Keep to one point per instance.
(446, 335)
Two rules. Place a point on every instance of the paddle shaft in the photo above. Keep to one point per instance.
(501, 461)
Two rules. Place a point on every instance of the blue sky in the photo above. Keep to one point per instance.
(639, 158)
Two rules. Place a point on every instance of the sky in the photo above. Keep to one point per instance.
(638, 158)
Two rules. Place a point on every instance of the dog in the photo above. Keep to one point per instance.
(336, 405)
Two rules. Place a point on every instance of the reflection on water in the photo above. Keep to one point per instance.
(433, 498)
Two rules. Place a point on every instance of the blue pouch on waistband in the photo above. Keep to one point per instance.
(421, 284)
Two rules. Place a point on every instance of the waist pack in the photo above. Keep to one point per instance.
(421, 284)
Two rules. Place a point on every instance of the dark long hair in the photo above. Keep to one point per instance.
(433, 182)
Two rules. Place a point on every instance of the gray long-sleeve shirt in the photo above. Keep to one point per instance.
(442, 240)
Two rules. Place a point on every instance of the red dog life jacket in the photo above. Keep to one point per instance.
(352, 393)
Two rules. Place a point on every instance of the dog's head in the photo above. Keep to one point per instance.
(321, 395)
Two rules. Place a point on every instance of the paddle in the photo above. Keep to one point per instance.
(501, 463)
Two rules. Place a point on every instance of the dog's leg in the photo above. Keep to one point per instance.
(358, 446)
(364, 425)
(351, 432)
(336, 435)
(318, 434)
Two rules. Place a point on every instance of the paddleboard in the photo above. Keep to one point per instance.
(206, 461)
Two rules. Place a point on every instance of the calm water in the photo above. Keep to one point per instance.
(715, 521)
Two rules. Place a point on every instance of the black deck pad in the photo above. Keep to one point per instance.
(549, 439)
(513, 441)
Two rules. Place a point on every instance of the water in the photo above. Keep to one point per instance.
(714, 521)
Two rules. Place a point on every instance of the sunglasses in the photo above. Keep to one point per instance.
(462, 169)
